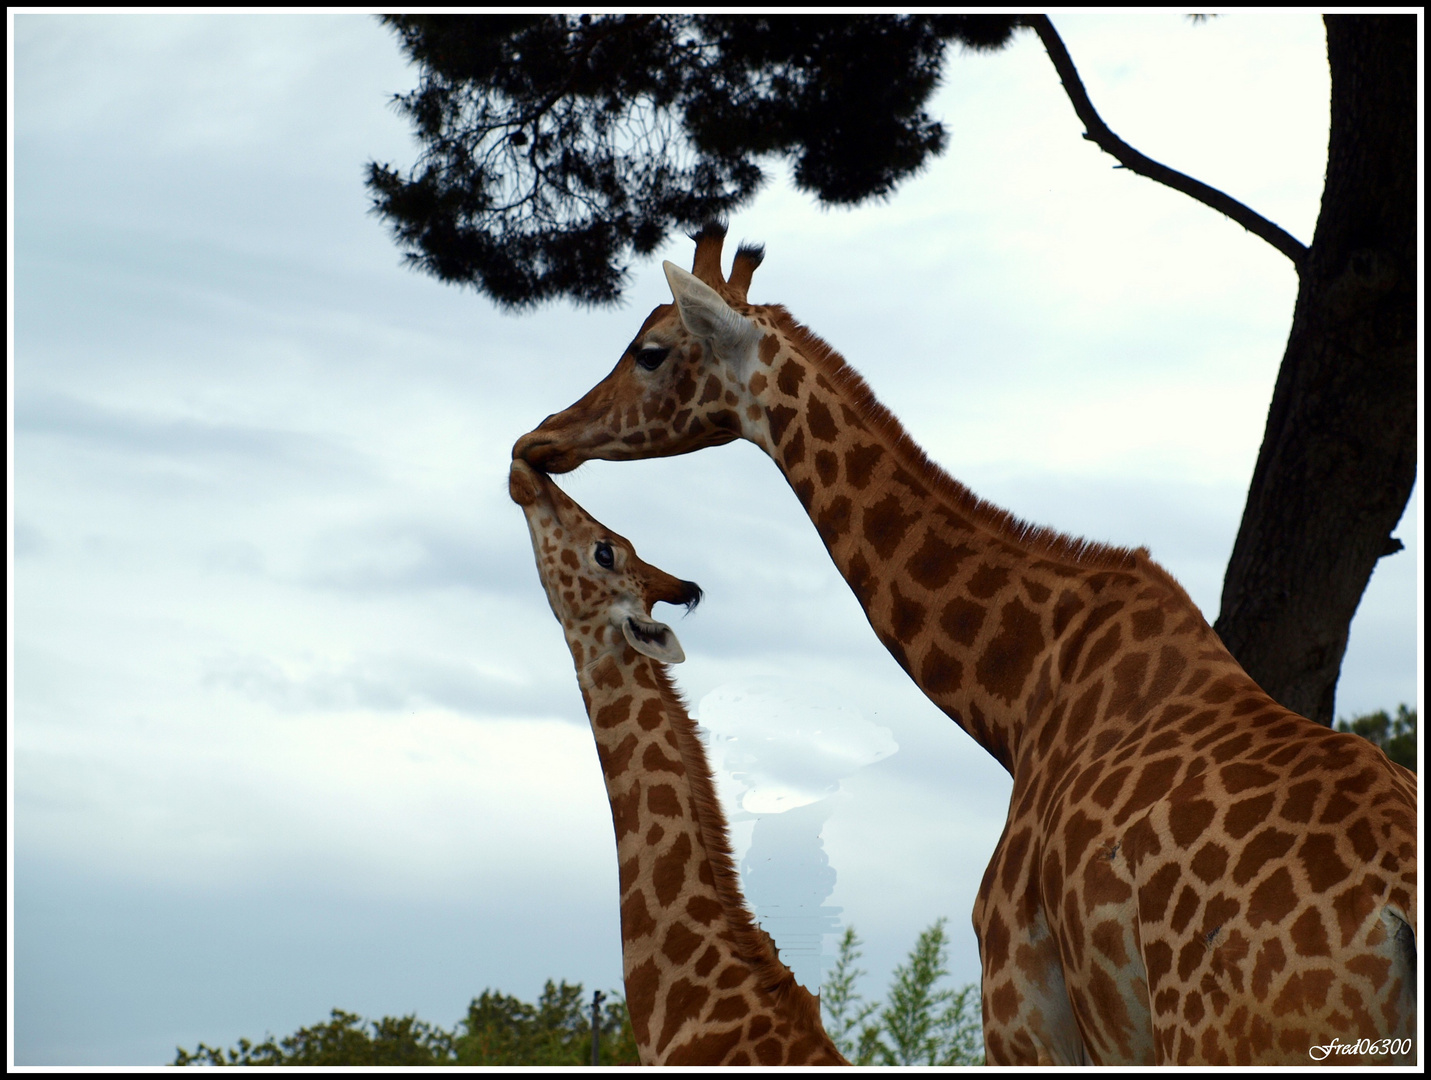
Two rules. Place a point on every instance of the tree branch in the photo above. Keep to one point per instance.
(1097, 132)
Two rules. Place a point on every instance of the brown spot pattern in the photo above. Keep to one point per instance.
(885, 524)
(779, 417)
(962, 620)
(788, 379)
(936, 561)
(819, 421)
(859, 464)
(1005, 665)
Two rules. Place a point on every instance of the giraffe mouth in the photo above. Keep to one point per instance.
(543, 452)
(524, 484)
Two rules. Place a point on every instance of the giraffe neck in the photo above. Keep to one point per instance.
(697, 968)
(986, 614)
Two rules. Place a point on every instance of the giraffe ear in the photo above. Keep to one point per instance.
(708, 317)
(653, 639)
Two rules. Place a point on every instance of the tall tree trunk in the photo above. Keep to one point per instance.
(1338, 457)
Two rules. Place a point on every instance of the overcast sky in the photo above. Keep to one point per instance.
(292, 726)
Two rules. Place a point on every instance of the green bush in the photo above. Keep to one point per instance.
(922, 1024)
(498, 1030)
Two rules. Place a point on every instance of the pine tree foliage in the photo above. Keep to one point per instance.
(553, 147)
(1396, 735)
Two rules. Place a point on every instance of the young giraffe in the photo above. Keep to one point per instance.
(1189, 873)
(703, 983)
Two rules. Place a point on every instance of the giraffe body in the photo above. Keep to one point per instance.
(1189, 873)
(704, 985)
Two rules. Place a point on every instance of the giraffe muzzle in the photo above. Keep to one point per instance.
(524, 484)
(534, 448)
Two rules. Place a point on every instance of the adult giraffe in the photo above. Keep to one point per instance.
(1189, 873)
(703, 983)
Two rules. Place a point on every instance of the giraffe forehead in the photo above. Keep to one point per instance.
(562, 525)
(662, 327)
(668, 331)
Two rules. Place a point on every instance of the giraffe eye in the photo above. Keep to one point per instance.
(604, 556)
(651, 357)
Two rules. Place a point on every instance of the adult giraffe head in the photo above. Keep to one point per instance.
(684, 382)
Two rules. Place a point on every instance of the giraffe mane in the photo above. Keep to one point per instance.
(1033, 539)
(753, 943)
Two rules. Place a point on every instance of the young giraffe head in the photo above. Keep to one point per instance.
(687, 380)
(600, 590)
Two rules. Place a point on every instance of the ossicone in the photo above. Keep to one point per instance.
(709, 238)
(747, 258)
